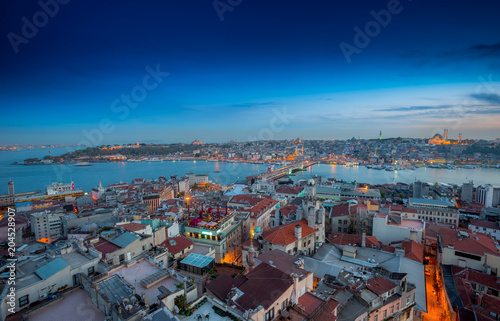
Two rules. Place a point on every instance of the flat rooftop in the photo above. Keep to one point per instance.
(206, 308)
(426, 202)
(413, 224)
(141, 270)
(75, 306)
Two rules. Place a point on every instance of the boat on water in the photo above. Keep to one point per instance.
(154, 159)
(390, 169)
(83, 164)
(134, 160)
(469, 166)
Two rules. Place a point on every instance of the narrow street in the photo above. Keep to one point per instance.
(436, 305)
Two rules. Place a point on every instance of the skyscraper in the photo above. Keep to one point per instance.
(467, 189)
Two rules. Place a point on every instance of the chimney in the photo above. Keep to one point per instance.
(363, 239)
(298, 231)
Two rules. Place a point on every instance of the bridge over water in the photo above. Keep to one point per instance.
(280, 172)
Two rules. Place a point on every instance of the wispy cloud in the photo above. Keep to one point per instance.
(415, 108)
(252, 104)
(493, 99)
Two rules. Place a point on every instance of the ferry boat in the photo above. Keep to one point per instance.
(83, 164)
(154, 159)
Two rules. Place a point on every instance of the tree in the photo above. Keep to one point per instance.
(382, 194)
(180, 302)
(195, 186)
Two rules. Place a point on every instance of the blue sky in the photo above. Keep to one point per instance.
(433, 66)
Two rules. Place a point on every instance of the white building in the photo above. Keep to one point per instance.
(388, 228)
(484, 195)
(485, 227)
(198, 179)
(59, 187)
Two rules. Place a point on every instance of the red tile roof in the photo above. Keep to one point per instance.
(292, 190)
(133, 227)
(342, 210)
(491, 281)
(476, 243)
(243, 199)
(285, 234)
(353, 239)
(261, 286)
(105, 247)
(289, 209)
(414, 251)
(265, 284)
(486, 224)
(263, 206)
(179, 243)
(379, 285)
(327, 312)
(309, 304)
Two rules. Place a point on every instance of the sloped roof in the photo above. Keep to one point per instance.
(105, 247)
(51, 268)
(353, 239)
(475, 243)
(285, 234)
(379, 285)
(133, 227)
(177, 244)
(264, 285)
(125, 239)
(221, 286)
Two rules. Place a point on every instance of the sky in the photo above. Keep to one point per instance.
(161, 71)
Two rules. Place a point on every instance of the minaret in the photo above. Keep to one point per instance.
(251, 254)
(11, 188)
(380, 136)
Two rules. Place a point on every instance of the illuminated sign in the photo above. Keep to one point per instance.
(206, 233)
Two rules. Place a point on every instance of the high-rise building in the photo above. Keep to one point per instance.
(467, 189)
(484, 195)
(496, 196)
(420, 190)
(11, 188)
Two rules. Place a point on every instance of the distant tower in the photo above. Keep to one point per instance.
(459, 138)
(445, 136)
(251, 254)
(11, 188)
(380, 136)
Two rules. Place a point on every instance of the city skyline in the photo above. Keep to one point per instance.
(249, 71)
